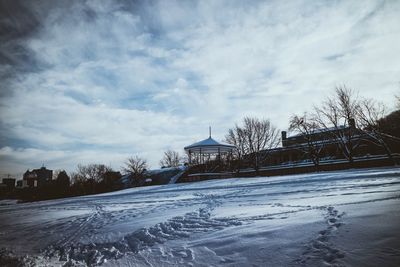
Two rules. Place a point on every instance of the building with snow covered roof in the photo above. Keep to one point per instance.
(327, 145)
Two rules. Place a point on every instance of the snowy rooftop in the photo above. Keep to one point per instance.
(209, 145)
(321, 130)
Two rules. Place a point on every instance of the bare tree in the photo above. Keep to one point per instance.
(92, 172)
(253, 137)
(338, 115)
(353, 119)
(170, 159)
(262, 136)
(370, 115)
(75, 178)
(236, 137)
(136, 167)
(307, 128)
(195, 158)
(87, 176)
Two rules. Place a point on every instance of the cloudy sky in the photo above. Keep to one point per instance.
(99, 81)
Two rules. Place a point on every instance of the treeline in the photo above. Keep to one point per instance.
(88, 179)
(85, 180)
(92, 179)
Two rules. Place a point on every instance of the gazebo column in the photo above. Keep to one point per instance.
(219, 157)
(230, 159)
(201, 157)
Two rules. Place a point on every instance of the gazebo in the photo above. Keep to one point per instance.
(208, 148)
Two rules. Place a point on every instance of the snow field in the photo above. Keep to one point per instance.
(319, 219)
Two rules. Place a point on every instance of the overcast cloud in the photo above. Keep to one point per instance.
(98, 81)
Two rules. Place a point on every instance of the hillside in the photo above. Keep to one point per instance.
(329, 218)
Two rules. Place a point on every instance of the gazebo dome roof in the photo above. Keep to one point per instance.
(209, 146)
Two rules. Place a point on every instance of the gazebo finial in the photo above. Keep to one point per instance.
(209, 128)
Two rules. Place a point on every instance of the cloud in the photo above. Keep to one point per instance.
(99, 81)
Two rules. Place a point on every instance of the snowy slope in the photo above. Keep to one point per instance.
(348, 218)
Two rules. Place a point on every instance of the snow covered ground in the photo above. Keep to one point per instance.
(344, 218)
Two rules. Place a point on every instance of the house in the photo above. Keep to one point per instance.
(37, 177)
